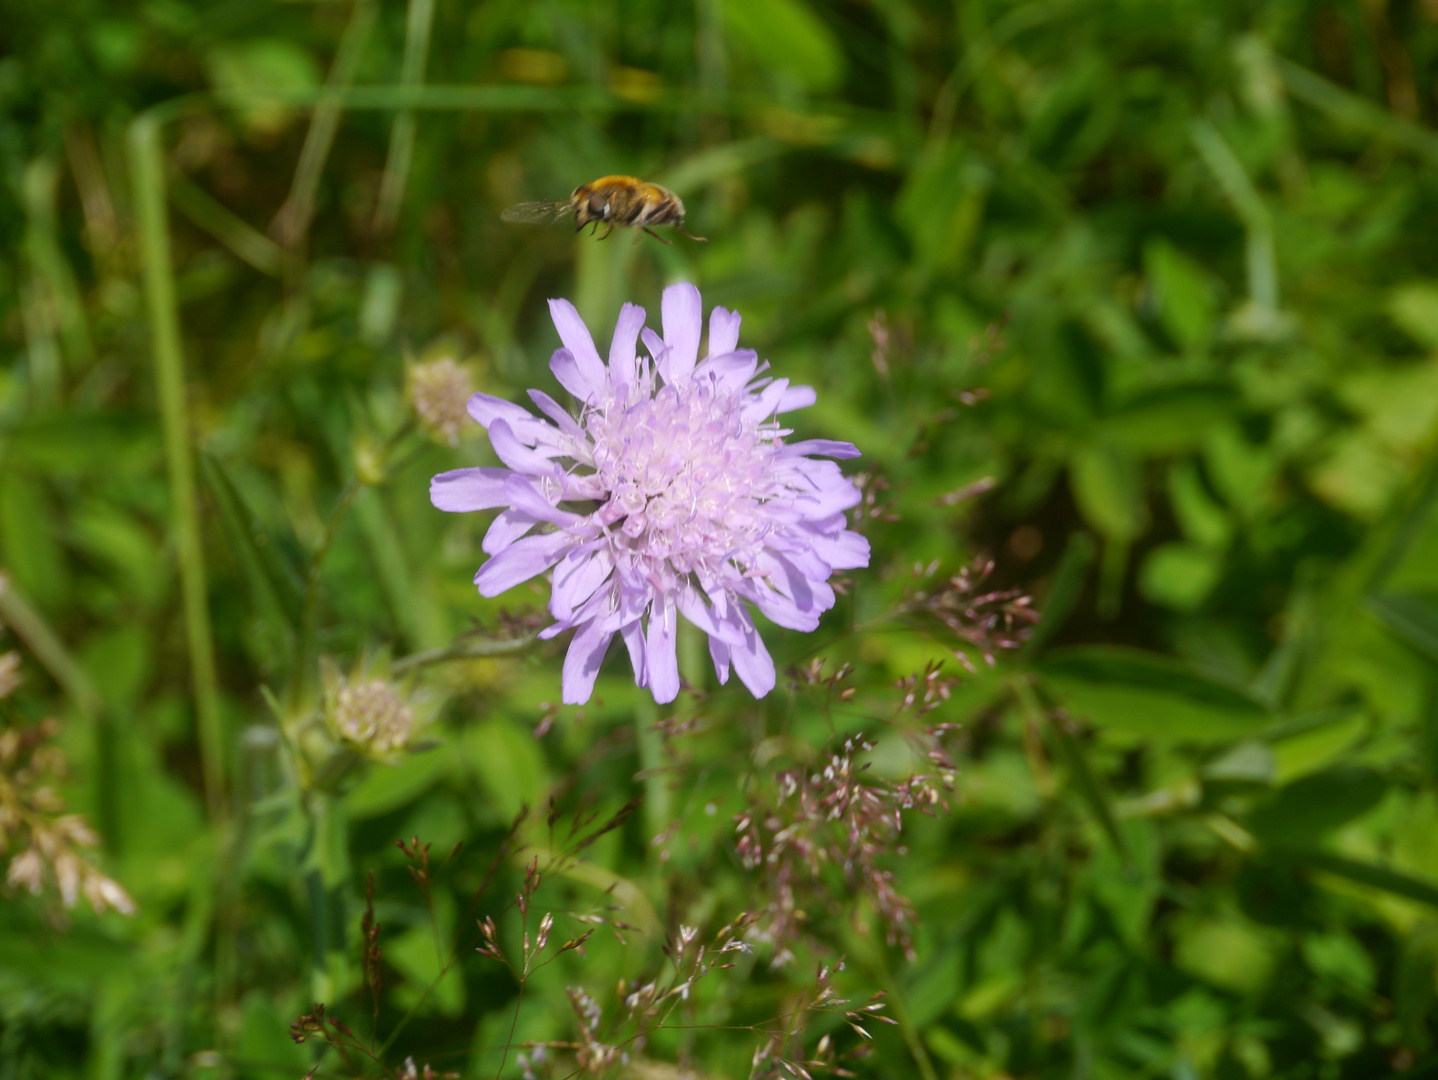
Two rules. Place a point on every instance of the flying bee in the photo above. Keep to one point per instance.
(611, 201)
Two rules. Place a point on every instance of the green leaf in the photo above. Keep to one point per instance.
(1180, 576)
(1169, 418)
(1414, 307)
(1090, 788)
(1316, 804)
(1363, 873)
(1413, 616)
(786, 37)
(1108, 488)
(1181, 293)
(28, 546)
(273, 582)
(1136, 694)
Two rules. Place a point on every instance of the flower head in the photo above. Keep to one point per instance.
(437, 389)
(672, 493)
(368, 713)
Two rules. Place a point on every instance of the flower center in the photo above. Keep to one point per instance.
(685, 475)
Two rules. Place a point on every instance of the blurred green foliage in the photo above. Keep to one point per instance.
(1164, 272)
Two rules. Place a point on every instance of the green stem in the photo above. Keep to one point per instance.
(309, 616)
(148, 178)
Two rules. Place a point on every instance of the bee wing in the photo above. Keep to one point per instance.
(534, 213)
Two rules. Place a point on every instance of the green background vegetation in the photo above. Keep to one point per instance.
(1184, 255)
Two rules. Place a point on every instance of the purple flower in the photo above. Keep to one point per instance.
(673, 493)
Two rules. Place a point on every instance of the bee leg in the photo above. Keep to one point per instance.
(686, 232)
(654, 234)
(607, 231)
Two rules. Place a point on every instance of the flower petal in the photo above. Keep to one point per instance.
(821, 448)
(663, 659)
(730, 370)
(566, 369)
(723, 331)
(622, 348)
(516, 455)
(683, 315)
(796, 397)
(691, 605)
(486, 408)
(778, 608)
(753, 664)
(521, 561)
(847, 551)
(462, 490)
(633, 634)
(560, 415)
(763, 405)
(577, 577)
(719, 653)
(582, 663)
(506, 529)
(575, 336)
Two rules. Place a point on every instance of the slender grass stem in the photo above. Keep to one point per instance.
(148, 178)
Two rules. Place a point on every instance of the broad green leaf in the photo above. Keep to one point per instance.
(1227, 952)
(1413, 616)
(1182, 293)
(1180, 576)
(241, 72)
(1133, 694)
(388, 787)
(1090, 788)
(1414, 307)
(1316, 804)
(1169, 418)
(29, 548)
(1108, 489)
(1364, 873)
(786, 37)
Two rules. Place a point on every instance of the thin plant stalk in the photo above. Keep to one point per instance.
(401, 139)
(148, 178)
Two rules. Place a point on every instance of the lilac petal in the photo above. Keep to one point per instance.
(683, 315)
(847, 551)
(523, 496)
(633, 633)
(796, 397)
(765, 403)
(719, 653)
(780, 609)
(461, 490)
(575, 336)
(753, 664)
(521, 561)
(822, 448)
(657, 349)
(663, 659)
(515, 454)
(566, 370)
(577, 577)
(693, 608)
(830, 491)
(791, 581)
(582, 663)
(506, 529)
(800, 551)
(486, 408)
(729, 370)
(621, 349)
(559, 414)
(723, 331)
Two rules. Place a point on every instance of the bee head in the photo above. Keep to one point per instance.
(598, 206)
